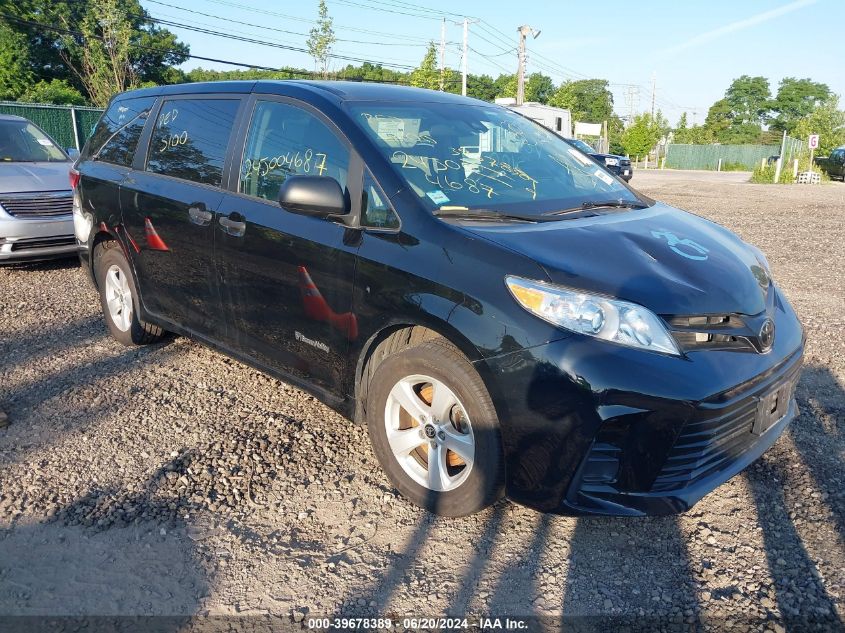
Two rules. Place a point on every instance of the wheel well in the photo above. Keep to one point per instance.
(388, 342)
(99, 238)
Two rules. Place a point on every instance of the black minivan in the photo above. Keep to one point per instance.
(506, 316)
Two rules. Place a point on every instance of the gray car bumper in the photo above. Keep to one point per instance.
(33, 239)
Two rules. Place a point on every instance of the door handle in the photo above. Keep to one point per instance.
(232, 225)
(199, 216)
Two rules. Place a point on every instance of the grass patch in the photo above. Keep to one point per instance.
(766, 175)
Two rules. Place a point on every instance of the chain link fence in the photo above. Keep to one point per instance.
(708, 156)
(70, 126)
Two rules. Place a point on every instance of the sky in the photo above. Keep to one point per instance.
(690, 51)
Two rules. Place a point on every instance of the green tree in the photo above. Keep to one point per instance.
(481, 87)
(749, 99)
(695, 135)
(828, 121)
(321, 38)
(616, 127)
(56, 91)
(15, 73)
(719, 120)
(427, 75)
(539, 87)
(505, 86)
(643, 134)
(796, 99)
(101, 57)
(152, 51)
(589, 100)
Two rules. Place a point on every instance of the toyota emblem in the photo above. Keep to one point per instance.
(767, 335)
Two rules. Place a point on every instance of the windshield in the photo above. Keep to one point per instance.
(484, 157)
(577, 142)
(21, 141)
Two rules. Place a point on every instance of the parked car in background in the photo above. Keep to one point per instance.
(833, 165)
(618, 165)
(36, 203)
(504, 315)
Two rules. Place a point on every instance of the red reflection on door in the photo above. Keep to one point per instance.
(317, 308)
(153, 240)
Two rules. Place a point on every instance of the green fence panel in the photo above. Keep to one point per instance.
(707, 156)
(85, 122)
(57, 121)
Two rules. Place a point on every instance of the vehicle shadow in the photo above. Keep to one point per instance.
(59, 263)
(104, 562)
(31, 403)
(800, 594)
(33, 345)
(819, 437)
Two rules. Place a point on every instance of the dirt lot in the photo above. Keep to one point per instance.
(110, 455)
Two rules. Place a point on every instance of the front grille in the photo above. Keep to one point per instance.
(35, 243)
(602, 465)
(38, 206)
(721, 331)
(711, 440)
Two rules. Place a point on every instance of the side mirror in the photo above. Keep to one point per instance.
(72, 152)
(317, 196)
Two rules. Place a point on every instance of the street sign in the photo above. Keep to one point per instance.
(813, 143)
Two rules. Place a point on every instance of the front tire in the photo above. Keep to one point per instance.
(118, 297)
(434, 429)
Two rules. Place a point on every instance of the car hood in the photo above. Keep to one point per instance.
(670, 261)
(34, 177)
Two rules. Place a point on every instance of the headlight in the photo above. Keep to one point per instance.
(593, 315)
(612, 162)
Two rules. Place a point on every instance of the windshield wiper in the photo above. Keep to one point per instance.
(601, 204)
(486, 215)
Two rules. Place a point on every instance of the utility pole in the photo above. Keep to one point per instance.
(632, 100)
(653, 91)
(523, 31)
(464, 60)
(443, 53)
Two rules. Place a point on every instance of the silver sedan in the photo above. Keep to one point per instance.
(36, 201)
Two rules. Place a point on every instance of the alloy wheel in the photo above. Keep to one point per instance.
(429, 432)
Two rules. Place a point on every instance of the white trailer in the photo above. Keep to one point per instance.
(558, 120)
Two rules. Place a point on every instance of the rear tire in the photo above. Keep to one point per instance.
(118, 297)
(451, 410)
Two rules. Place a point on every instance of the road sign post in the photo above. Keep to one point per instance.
(813, 144)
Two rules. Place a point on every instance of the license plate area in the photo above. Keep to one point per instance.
(772, 407)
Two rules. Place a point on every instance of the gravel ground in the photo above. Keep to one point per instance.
(172, 480)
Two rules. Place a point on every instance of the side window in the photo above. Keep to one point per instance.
(116, 135)
(190, 139)
(284, 140)
(376, 211)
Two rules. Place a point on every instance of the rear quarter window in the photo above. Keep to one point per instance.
(116, 135)
(190, 138)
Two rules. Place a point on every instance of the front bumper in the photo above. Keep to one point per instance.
(625, 172)
(23, 240)
(589, 427)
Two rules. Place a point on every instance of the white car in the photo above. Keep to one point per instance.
(36, 201)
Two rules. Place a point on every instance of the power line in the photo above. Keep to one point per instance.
(294, 18)
(250, 40)
(365, 6)
(291, 71)
(278, 30)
